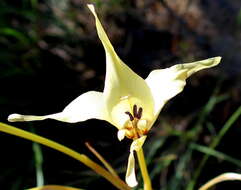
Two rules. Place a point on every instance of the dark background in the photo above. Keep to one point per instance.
(50, 54)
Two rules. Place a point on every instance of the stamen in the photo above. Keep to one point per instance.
(137, 127)
(135, 111)
(129, 114)
(139, 114)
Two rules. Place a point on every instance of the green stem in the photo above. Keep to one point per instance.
(103, 161)
(144, 172)
(38, 164)
(119, 184)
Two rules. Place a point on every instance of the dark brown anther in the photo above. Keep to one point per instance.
(135, 111)
(139, 114)
(130, 116)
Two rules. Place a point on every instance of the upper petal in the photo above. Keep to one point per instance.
(166, 83)
(89, 105)
(123, 87)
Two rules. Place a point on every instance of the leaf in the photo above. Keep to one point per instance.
(54, 187)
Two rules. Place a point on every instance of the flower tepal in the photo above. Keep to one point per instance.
(128, 102)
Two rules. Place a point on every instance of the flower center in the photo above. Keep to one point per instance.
(136, 127)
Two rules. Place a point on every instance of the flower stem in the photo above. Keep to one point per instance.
(103, 161)
(38, 164)
(119, 184)
(144, 172)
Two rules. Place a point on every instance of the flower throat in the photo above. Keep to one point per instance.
(134, 128)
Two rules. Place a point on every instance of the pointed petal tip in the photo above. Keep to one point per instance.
(15, 117)
(91, 7)
(18, 117)
(216, 60)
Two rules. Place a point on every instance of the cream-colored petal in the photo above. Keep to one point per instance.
(166, 83)
(142, 125)
(121, 134)
(130, 172)
(136, 145)
(123, 87)
(199, 65)
(89, 105)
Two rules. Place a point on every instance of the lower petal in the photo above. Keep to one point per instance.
(89, 105)
(138, 143)
(130, 173)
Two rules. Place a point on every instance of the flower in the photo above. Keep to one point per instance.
(128, 102)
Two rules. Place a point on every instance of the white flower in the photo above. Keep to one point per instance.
(129, 102)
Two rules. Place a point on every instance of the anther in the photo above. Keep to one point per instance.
(139, 114)
(135, 111)
(130, 116)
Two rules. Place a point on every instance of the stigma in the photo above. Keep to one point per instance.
(136, 127)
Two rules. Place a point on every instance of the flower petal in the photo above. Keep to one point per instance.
(121, 134)
(166, 83)
(89, 105)
(130, 172)
(138, 143)
(123, 87)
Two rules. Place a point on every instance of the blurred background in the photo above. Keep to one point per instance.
(50, 54)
